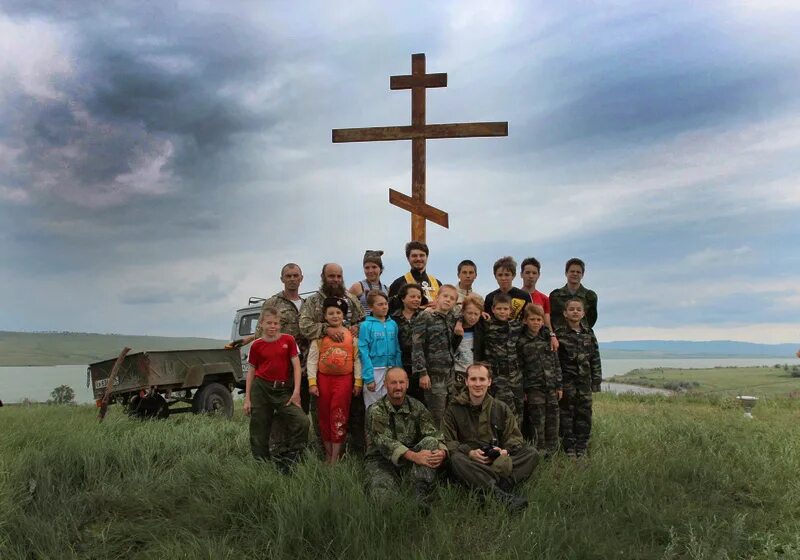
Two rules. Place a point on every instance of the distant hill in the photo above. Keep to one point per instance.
(694, 349)
(68, 348)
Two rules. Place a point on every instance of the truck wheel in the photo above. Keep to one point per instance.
(213, 398)
(154, 406)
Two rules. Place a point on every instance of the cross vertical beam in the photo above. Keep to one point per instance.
(418, 223)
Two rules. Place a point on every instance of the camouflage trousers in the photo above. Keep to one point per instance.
(268, 403)
(383, 475)
(576, 418)
(476, 475)
(436, 396)
(277, 439)
(507, 387)
(414, 390)
(542, 412)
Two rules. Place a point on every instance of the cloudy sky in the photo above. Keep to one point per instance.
(160, 161)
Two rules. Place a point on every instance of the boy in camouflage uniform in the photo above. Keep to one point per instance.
(434, 343)
(579, 355)
(541, 380)
(403, 441)
(499, 350)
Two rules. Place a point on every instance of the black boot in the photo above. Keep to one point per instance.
(513, 502)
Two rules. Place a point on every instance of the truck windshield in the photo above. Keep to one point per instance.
(247, 324)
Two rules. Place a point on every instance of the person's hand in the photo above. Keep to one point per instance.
(425, 458)
(371, 386)
(336, 334)
(294, 399)
(356, 390)
(425, 382)
(354, 331)
(554, 343)
(503, 452)
(486, 316)
(458, 330)
(559, 394)
(437, 458)
(247, 406)
(479, 457)
(314, 390)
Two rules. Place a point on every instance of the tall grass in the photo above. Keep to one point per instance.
(668, 478)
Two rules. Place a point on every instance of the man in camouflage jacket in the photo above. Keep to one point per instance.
(582, 375)
(475, 421)
(403, 441)
(541, 381)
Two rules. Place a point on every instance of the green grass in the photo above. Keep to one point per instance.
(684, 477)
(55, 349)
(761, 381)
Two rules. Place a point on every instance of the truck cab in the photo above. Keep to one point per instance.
(244, 324)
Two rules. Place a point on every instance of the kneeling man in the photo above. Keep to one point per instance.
(403, 441)
(486, 448)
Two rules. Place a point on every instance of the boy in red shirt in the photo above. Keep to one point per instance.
(273, 390)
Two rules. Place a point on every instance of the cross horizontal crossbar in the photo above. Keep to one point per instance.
(410, 81)
(429, 131)
(419, 208)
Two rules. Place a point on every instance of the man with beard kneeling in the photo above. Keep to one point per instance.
(486, 448)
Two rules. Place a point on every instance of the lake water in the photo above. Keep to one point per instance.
(36, 382)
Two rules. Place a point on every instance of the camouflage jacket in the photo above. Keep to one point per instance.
(579, 355)
(558, 301)
(289, 317)
(467, 427)
(499, 347)
(393, 431)
(404, 334)
(312, 321)
(539, 364)
(434, 343)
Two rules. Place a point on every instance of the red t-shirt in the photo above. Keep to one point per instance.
(273, 360)
(541, 299)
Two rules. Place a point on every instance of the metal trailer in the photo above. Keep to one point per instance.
(150, 384)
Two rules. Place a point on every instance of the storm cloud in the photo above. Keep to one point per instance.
(160, 162)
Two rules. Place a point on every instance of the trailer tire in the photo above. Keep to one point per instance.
(213, 398)
(154, 406)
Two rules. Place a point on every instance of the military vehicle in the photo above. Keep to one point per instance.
(153, 384)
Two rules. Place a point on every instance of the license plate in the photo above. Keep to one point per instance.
(102, 383)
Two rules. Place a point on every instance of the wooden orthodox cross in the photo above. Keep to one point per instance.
(418, 133)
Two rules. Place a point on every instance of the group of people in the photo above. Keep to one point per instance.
(423, 376)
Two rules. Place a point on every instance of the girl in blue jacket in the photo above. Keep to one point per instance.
(378, 347)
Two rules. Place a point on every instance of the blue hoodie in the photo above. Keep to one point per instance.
(378, 346)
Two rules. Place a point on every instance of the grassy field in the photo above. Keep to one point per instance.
(55, 349)
(681, 477)
(760, 381)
